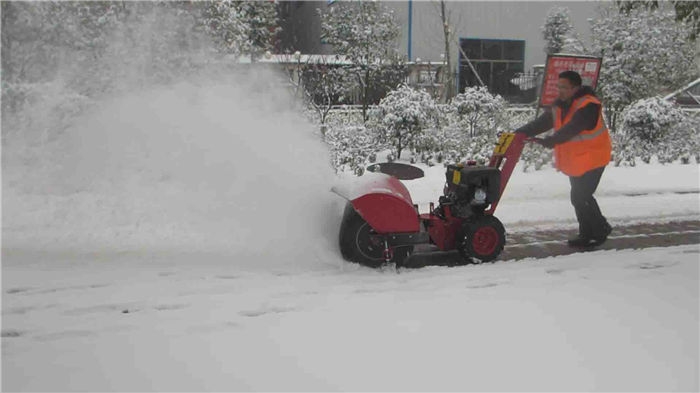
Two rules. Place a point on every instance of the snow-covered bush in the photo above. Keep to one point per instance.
(535, 156)
(478, 111)
(449, 143)
(655, 127)
(651, 119)
(352, 146)
(513, 118)
(402, 116)
(441, 146)
(683, 142)
(559, 33)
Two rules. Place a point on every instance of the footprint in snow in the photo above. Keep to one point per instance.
(227, 277)
(555, 272)
(105, 308)
(12, 291)
(11, 333)
(484, 285)
(264, 311)
(72, 288)
(26, 309)
(169, 307)
(66, 334)
(654, 265)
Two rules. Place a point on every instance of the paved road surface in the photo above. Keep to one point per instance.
(543, 244)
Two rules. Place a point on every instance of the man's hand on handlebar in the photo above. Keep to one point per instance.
(546, 142)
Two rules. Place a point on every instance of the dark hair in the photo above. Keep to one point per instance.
(572, 76)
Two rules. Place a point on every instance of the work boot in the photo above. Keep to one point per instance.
(600, 239)
(591, 241)
(581, 241)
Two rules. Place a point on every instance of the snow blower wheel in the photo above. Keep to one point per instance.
(481, 239)
(361, 244)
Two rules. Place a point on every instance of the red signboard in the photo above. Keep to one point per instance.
(587, 66)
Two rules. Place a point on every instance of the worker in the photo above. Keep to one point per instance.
(582, 150)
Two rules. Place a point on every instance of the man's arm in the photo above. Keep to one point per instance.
(542, 123)
(584, 119)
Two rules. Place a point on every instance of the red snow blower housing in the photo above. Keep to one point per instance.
(382, 225)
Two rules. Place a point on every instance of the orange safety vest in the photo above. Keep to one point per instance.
(588, 150)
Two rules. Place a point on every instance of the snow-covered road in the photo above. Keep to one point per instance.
(607, 320)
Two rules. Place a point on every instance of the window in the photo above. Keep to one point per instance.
(473, 49)
(492, 49)
(514, 50)
(496, 62)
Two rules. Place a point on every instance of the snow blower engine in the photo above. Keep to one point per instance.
(469, 190)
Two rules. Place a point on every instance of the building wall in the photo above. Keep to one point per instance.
(521, 20)
(301, 27)
(507, 20)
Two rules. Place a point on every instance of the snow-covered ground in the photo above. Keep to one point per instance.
(184, 238)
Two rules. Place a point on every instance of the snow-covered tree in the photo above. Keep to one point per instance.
(559, 33)
(403, 115)
(320, 82)
(242, 27)
(365, 32)
(58, 56)
(478, 110)
(37, 37)
(689, 12)
(448, 75)
(86, 42)
(645, 52)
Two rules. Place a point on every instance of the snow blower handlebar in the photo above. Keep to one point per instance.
(508, 148)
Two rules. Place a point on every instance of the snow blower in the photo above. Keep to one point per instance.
(381, 225)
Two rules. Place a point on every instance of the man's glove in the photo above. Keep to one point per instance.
(546, 142)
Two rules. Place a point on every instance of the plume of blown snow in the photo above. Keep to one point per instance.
(223, 165)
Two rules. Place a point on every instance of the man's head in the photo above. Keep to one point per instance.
(568, 84)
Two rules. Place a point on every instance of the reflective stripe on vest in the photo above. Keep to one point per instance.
(587, 136)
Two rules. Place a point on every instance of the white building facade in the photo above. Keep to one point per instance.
(501, 39)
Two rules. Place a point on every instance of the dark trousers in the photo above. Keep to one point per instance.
(591, 223)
